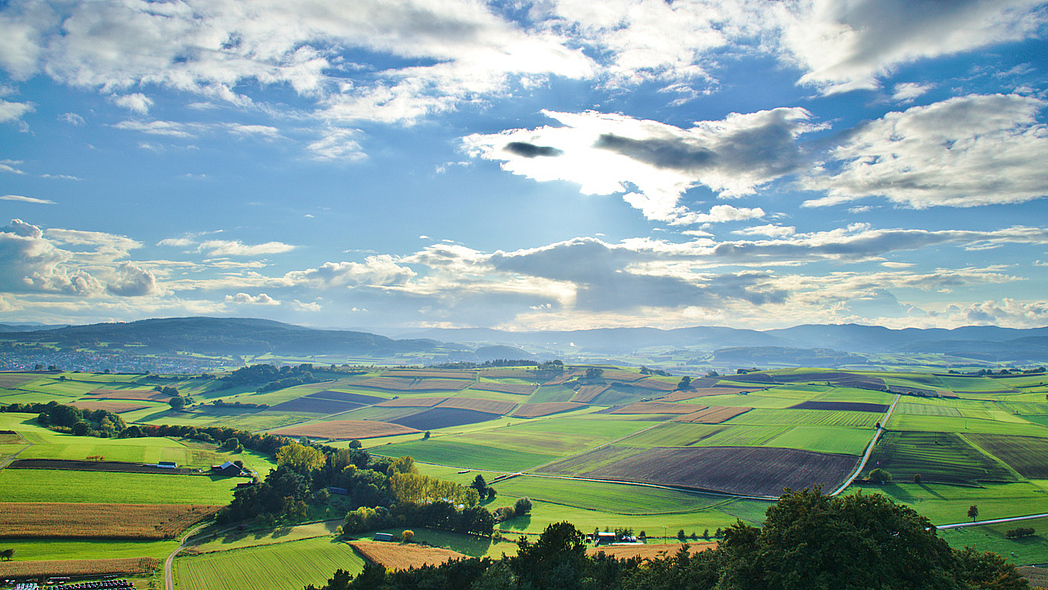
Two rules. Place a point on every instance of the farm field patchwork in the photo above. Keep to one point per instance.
(345, 429)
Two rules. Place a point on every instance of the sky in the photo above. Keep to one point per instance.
(525, 165)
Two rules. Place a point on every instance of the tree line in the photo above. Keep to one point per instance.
(808, 541)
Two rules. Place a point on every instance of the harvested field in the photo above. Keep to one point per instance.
(712, 415)
(131, 394)
(13, 380)
(842, 407)
(655, 408)
(434, 418)
(114, 407)
(545, 409)
(107, 466)
(860, 382)
(10, 437)
(413, 384)
(1036, 576)
(311, 404)
(411, 402)
(428, 373)
(345, 429)
(514, 388)
(588, 393)
(112, 521)
(398, 556)
(78, 567)
(605, 455)
(1026, 454)
(478, 405)
(657, 385)
(503, 373)
(686, 394)
(647, 552)
(750, 471)
(750, 378)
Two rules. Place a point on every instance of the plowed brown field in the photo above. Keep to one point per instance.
(478, 405)
(588, 393)
(413, 384)
(545, 409)
(649, 551)
(411, 402)
(514, 388)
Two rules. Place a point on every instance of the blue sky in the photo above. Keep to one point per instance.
(553, 164)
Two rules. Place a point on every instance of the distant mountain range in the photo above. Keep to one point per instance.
(821, 345)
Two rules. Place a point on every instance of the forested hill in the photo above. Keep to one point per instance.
(221, 336)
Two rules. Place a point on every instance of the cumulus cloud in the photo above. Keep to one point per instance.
(608, 153)
(245, 299)
(1009, 313)
(908, 91)
(376, 271)
(238, 248)
(21, 199)
(338, 143)
(133, 281)
(848, 44)
(962, 152)
(73, 119)
(13, 111)
(31, 263)
(137, 102)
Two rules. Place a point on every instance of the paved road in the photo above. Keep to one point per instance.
(869, 448)
(15, 455)
(961, 525)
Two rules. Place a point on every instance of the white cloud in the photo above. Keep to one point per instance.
(31, 263)
(1009, 313)
(133, 281)
(848, 44)
(165, 128)
(13, 111)
(73, 119)
(245, 299)
(311, 306)
(22, 199)
(238, 248)
(9, 166)
(137, 102)
(962, 152)
(376, 271)
(607, 154)
(772, 231)
(908, 91)
(338, 144)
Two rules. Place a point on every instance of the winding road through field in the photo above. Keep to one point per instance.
(169, 582)
(869, 448)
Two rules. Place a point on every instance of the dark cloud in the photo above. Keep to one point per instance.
(530, 150)
(661, 153)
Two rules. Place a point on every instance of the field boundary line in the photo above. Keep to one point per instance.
(869, 448)
(14, 456)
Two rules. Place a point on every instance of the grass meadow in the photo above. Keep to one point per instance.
(39, 485)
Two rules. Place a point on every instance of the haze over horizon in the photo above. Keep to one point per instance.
(525, 165)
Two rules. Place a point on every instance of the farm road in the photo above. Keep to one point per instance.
(169, 582)
(14, 456)
(961, 525)
(869, 448)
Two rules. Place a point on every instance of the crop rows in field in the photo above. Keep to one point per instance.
(750, 471)
(42, 485)
(283, 566)
(478, 405)
(124, 521)
(1026, 454)
(712, 415)
(927, 410)
(656, 384)
(430, 373)
(412, 384)
(767, 416)
(435, 418)
(313, 404)
(78, 567)
(411, 402)
(345, 429)
(514, 388)
(588, 393)
(649, 552)
(590, 461)
(939, 457)
(545, 409)
(399, 556)
(655, 408)
(841, 406)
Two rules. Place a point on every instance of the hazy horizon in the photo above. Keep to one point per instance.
(525, 166)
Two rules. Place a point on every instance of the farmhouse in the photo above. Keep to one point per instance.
(227, 468)
(384, 537)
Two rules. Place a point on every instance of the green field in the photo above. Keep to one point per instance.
(460, 454)
(38, 485)
(991, 537)
(290, 566)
